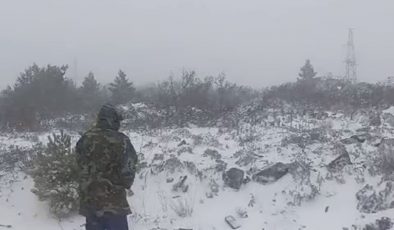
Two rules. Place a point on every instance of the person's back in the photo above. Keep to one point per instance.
(107, 161)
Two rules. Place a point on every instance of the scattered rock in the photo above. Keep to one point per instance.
(232, 222)
(170, 180)
(359, 138)
(340, 162)
(246, 180)
(183, 142)
(234, 178)
(271, 173)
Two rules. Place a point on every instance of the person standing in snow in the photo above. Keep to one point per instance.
(107, 163)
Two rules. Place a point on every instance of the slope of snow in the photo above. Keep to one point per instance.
(255, 206)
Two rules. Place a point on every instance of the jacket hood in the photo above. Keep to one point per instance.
(109, 118)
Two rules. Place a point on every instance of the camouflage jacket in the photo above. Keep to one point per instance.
(107, 162)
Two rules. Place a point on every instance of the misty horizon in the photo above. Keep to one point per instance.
(255, 43)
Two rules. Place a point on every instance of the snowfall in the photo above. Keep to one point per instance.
(181, 185)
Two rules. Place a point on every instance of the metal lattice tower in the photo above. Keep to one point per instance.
(351, 64)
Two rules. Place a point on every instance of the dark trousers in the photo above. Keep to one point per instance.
(107, 222)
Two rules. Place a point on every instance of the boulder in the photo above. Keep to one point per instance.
(340, 162)
(234, 178)
(358, 138)
(183, 142)
(271, 173)
(232, 222)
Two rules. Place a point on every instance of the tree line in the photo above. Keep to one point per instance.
(328, 93)
(44, 93)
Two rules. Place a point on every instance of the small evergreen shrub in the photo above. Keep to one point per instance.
(55, 175)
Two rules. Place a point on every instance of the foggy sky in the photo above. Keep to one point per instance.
(254, 42)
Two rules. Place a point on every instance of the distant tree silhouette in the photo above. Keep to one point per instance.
(91, 93)
(122, 90)
(307, 71)
(39, 93)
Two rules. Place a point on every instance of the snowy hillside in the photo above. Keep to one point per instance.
(317, 174)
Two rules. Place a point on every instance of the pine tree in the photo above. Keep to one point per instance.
(91, 93)
(122, 90)
(90, 84)
(39, 93)
(55, 175)
(307, 71)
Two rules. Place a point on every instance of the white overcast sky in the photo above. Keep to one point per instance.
(255, 42)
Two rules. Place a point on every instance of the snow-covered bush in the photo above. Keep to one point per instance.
(14, 158)
(372, 199)
(55, 175)
(385, 158)
(307, 183)
(383, 223)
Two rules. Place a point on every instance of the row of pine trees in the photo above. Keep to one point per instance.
(44, 92)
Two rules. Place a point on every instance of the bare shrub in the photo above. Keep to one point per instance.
(182, 207)
(307, 185)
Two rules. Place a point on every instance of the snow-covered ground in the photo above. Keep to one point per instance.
(318, 199)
